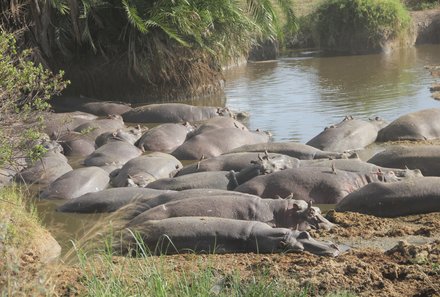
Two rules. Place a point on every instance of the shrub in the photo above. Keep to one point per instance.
(359, 25)
(24, 89)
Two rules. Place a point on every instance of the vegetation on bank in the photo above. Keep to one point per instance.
(359, 25)
(132, 48)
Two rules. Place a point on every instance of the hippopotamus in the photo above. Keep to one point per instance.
(285, 213)
(238, 161)
(419, 125)
(217, 235)
(89, 105)
(55, 124)
(76, 144)
(318, 184)
(350, 134)
(76, 183)
(165, 138)
(108, 200)
(222, 180)
(216, 142)
(45, 170)
(173, 113)
(293, 149)
(97, 127)
(134, 209)
(416, 196)
(118, 152)
(145, 169)
(218, 123)
(359, 166)
(130, 135)
(426, 158)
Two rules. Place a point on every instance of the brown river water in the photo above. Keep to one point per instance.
(296, 96)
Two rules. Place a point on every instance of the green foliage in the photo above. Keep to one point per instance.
(25, 89)
(357, 25)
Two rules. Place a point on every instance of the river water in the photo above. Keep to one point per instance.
(299, 94)
(295, 97)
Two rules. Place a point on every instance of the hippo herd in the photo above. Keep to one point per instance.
(199, 180)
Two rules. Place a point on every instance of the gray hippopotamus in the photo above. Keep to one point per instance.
(76, 183)
(76, 144)
(134, 209)
(216, 235)
(118, 153)
(165, 138)
(216, 142)
(238, 161)
(293, 149)
(89, 105)
(318, 184)
(145, 169)
(224, 180)
(130, 135)
(285, 213)
(56, 124)
(426, 158)
(416, 196)
(359, 166)
(97, 127)
(173, 113)
(218, 123)
(419, 125)
(108, 200)
(45, 170)
(350, 134)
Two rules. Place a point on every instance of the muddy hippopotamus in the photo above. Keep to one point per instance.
(285, 213)
(217, 235)
(129, 135)
(76, 183)
(359, 166)
(94, 128)
(165, 138)
(76, 144)
(416, 196)
(56, 124)
(173, 113)
(108, 200)
(223, 180)
(218, 123)
(419, 125)
(141, 171)
(216, 142)
(45, 170)
(426, 158)
(89, 105)
(238, 161)
(320, 185)
(350, 134)
(293, 149)
(134, 209)
(118, 152)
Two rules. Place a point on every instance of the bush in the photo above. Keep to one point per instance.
(24, 89)
(359, 25)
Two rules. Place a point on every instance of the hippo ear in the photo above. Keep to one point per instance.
(290, 196)
(309, 204)
(260, 158)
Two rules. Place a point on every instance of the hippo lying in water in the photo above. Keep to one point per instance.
(216, 235)
(419, 125)
(415, 196)
(350, 134)
(285, 213)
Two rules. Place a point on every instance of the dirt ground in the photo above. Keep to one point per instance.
(388, 257)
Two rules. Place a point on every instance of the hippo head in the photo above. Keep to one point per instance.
(139, 180)
(268, 164)
(298, 241)
(378, 122)
(303, 216)
(407, 173)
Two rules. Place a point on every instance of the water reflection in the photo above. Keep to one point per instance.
(298, 95)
